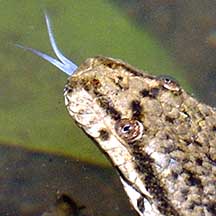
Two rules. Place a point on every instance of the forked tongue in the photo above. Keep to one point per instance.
(63, 63)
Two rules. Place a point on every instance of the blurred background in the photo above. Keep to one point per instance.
(42, 152)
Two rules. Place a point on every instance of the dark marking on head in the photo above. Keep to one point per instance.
(199, 128)
(95, 83)
(97, 93)
(104, 135)
(191, 206)
(174, 175)
(144, 165)
(201, 115)
(120, 85)
(110, 65)
(154, 92)
(199, 161)
(197, 143)
(187, 141)
(140, 204)
(167, 136)
(145, 93)
(192, 179)
(136, 109)
(179, 148)
(214, 128)
(169, 119)
(114, 113)
(120, 78)
(151, 93)
(110, 110)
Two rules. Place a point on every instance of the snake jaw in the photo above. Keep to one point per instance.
(63, 63)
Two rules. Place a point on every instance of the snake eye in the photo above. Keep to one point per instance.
(169, 83)
(167, 80)
(129, 129)
(126, 128)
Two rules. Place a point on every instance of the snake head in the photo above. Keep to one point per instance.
(62, 62)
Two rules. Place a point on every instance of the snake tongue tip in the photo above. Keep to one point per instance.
(63, 63)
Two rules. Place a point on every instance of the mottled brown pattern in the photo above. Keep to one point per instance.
(172, 165)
